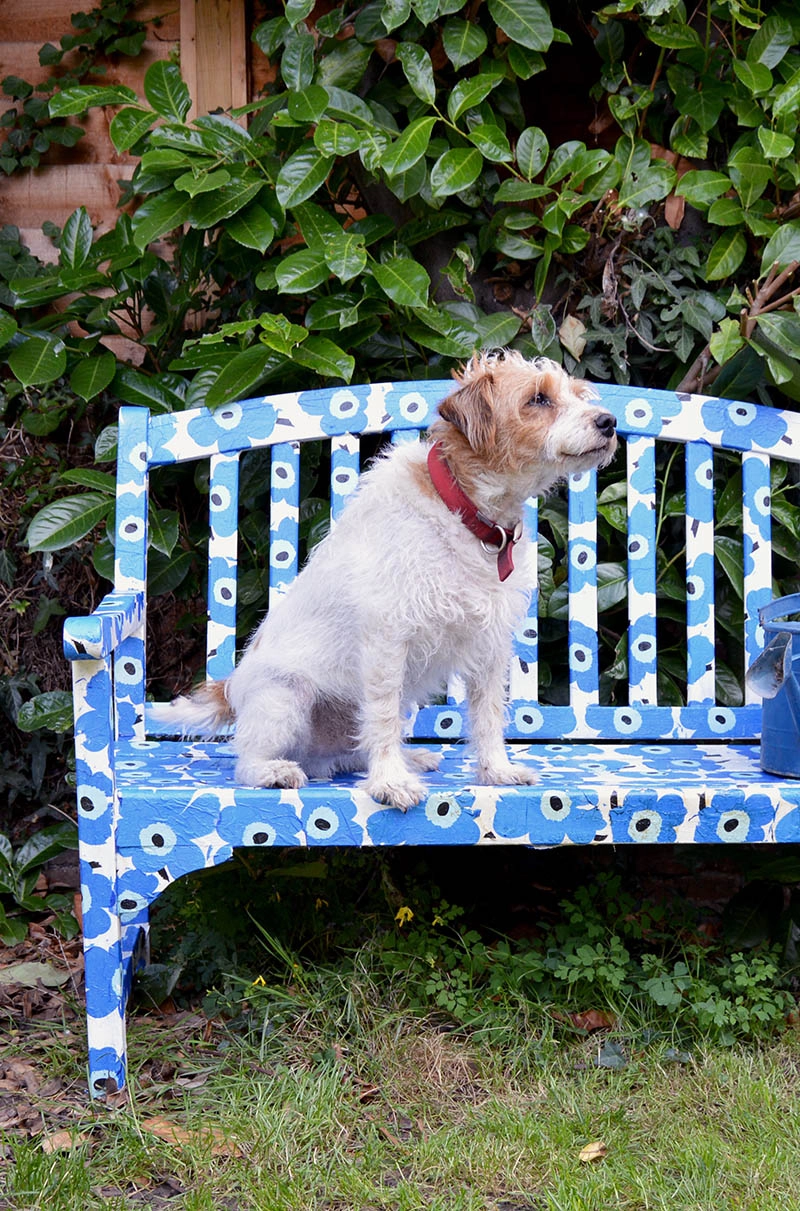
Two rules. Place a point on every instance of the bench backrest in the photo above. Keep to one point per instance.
(663, 433)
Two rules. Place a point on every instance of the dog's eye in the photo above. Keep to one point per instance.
(540, 400)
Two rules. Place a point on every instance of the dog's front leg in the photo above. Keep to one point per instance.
(389, 779)
(485, 699)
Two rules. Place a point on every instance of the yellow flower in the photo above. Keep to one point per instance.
(403, 915)
(320, 903)
(437, 920)
(260, 982)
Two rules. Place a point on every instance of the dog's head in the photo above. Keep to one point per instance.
(516, 415)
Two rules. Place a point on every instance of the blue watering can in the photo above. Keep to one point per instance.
(775, 676)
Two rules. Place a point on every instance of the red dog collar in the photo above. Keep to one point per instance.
(491, 534)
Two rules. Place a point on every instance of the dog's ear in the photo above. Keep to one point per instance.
(470, 410)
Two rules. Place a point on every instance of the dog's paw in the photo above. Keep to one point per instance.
(396, 792)
(508, 774)
(422, 759)
(287, 775)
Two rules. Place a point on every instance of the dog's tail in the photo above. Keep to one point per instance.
(204, 712)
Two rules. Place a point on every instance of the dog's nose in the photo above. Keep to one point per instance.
(606, 423)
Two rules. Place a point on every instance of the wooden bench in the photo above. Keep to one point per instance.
(621, 771)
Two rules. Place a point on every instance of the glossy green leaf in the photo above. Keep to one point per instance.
(317, 225)
(532, 151)
(726, 255)
(492, 143)
(38, 360)
(8, 326)
(463, 41)
(726, 341)
(726, 212)
(404, 281)
(770, 43)
(650, 185)
(163, 530)
(89, 477)
(455, 170)
(63, 522)
(346, 255)
(76, 239)
(243, 372)
(497, 330)
(519, 191)
(756, 77)
(470, 92)
(166, 573)
(524, 21)
(159, 214)
(787, 96)
(336, 138)
(301, 176)
(344, 64)
(80, 97)
(203, 181)
(409, 147)
(776, 146)
(701, 188)
(302, 271)
(53, 710)
(252, 227)
(93, 374)
(297, 10)
(395, 13)
(308, 105)
(783, 329)
(154, 391)
(166, 91)
(129, 126)
(208, 209)
(783, 247)
(418, 70)
(297, 60)
(325, 358)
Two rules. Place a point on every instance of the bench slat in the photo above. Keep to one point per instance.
(582, 573)
(524, 679)
(223, 544)
(757, 553)
(130, 565)
(345, 468)
(700, 670)
(642, 652)
(284, 519)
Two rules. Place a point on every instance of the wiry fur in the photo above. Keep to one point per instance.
(401, 596)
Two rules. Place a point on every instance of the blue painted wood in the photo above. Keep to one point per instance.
(624, 772)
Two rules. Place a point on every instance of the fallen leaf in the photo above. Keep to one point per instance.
(30, 974)
(173, 1133)
(674, 208)
(593, 1019)
(593, 1152)
(571, 335)
(63, 1141)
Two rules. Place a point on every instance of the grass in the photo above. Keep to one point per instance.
(400, 1115)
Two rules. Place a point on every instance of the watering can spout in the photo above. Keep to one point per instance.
(770, 671)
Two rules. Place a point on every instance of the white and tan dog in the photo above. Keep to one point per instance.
(407, 590)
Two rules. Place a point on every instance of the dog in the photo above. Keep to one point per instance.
(415, 583)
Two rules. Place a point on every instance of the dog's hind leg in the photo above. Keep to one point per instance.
(272, 728)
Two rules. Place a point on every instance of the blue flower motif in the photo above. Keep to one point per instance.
(743, 425)
(732, 817)
(548, 817)
(443, 819)
(233, 426)
(343, 411)
(788, 827)
(327, 823)
(275, 824)
(407, 407)
(642, 415)
(647, 817)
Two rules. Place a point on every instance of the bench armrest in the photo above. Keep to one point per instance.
(96, 635)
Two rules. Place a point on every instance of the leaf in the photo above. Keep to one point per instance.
(165, 573)
(524, 21)
(770, 43)
(649, 185)
(129, 126)
(728, 552)
(319, 354)
(455, 170)
(776, 146)
(308, 105)
(497, 330)
(418, 70)
(596, 1151)
(252, 227)
(463, 42)
(38, 360)
(532, 149)
(700, 188)
(81, 97)
(492, 143)
(302, 271)
(346, 255)
(212, 1140)
(726, 341)
(153, 391)
(88, 477)
(166, 91)
(64, 522)
(29, 975)
(163, 530)
(76, 239)
(336, 138)
(409, 147)
(93, 374)
(726, 255)
(301, 176)
(297, 60)
(469, 93)
(8, 326)
(756, 77)
(404, 281)
(782, 248)
(211, 208)
(159, 214)
(242, 372)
